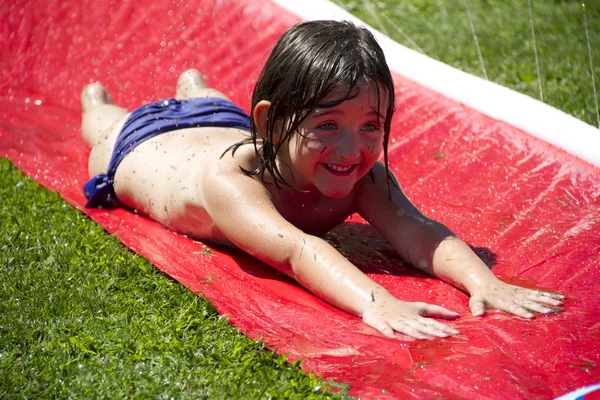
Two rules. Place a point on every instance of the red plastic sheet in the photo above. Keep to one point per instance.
(530, 210)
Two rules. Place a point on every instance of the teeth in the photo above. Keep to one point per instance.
(339, 168)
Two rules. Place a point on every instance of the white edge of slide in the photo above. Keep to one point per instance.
(496, 101)
(579, 393)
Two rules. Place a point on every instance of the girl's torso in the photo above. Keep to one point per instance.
(164, 179)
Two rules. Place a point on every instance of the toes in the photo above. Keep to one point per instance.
(93, 95)
(189, 81)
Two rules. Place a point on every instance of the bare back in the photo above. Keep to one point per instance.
(179, 178)
(164, 178)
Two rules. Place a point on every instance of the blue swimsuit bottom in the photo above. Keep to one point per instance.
(153, 119)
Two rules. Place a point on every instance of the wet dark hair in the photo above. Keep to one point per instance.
(307, 63)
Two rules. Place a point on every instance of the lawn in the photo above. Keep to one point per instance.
(81, 316)
(502, 30)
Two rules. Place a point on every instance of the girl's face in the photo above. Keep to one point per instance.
(339, 145)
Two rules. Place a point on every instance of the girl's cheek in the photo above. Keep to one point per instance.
(310, 149)
(315, 146)
(374, 148)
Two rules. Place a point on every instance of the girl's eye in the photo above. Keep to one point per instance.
(327, 126)
(371, 127)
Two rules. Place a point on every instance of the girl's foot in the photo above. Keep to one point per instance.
(190, 84)
(93, 95)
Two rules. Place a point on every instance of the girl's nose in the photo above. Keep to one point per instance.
(348, 147)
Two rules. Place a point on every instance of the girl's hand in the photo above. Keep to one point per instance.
(390, 314)
(513, 299)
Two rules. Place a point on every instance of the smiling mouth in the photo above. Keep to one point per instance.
(340, 170)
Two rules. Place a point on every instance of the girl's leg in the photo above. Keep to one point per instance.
(100, 124)
(102, 120)
(98, 112)
(191, 84)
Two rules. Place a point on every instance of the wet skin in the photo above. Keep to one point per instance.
(181, 180)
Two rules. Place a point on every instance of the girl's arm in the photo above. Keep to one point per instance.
(430, 246)
(244, 212)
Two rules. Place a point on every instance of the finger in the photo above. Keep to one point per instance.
(431, 310)
(426, 327)
(441, 327)
(553, 295)
(540, 298)
(381, 326)
(386, 329)
(408, 329)
(518, 310)
(532, 305)
(477, 306)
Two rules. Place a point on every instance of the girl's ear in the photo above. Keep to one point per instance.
(261, 118)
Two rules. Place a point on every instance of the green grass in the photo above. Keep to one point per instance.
(441, 29)
(82, 317)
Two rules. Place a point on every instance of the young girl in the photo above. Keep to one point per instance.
(273, 183)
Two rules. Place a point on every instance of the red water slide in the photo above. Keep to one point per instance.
(530, 210)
